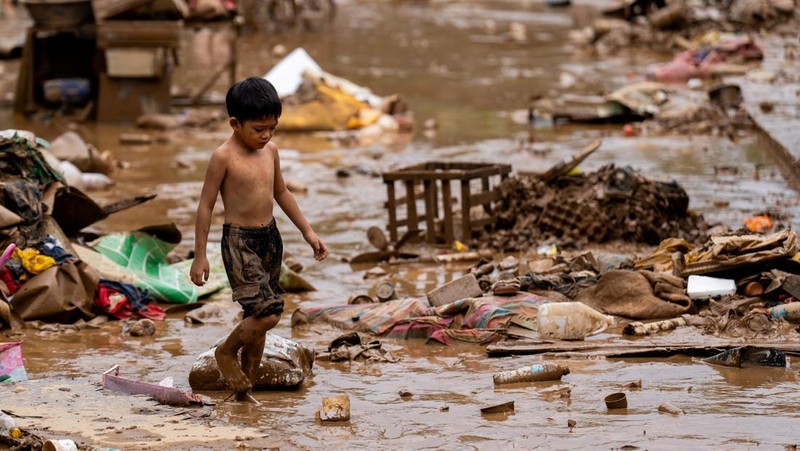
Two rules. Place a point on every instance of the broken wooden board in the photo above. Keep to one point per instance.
(639, 348)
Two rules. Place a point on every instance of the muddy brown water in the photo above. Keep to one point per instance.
(444, 58)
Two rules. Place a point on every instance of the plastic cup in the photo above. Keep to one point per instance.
(616, 401)
(63, 444)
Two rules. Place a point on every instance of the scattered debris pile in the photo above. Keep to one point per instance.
(609, 204)
(673, 24)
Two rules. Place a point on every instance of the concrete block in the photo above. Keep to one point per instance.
(464, 287)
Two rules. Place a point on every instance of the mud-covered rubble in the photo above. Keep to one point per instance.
(678, 22)
(611, 203)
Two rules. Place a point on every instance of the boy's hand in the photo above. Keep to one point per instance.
(199, 271)
(320, 251)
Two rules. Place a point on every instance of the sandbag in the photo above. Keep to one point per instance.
(629, 294)
(61, 294)
(284, 364)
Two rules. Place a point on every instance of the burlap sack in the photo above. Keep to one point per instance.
(629, 294)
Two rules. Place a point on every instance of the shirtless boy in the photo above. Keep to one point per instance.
(246, 171)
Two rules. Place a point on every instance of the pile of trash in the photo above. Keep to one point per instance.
(609, 204)
(659, 108)
(53, 271)
(313, 101)
(664, 25)
(42, 276)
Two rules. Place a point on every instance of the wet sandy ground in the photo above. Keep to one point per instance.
(443, 57)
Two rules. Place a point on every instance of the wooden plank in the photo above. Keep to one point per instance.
(139, 33)
(392, 207)
(627, 348)
(23, 95)
(411, 206)
(485, 198)
(466, 227)
(430, 201)
(479, 223)
(435, 197)
(447, 206)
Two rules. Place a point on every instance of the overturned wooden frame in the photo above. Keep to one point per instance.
(437, 177)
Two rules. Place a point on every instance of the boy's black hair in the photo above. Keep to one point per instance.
(253, 98)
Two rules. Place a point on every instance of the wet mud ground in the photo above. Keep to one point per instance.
(448, 64)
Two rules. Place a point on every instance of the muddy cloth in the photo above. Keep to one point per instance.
(661, 258)
(474, 320)
(701, 62)
(629, 294)
(566, 284)
(24, 198)
(33, 261)
(53, 248)
(609, 204)
(20, 155)
(8, 279)
(352, 346)
(123, 300)
(739, 249)
(252, 258)
(16, 271)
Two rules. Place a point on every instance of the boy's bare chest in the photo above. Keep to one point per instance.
(243, 170)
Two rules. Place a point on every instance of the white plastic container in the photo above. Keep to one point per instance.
(570, 321)
(703, 287)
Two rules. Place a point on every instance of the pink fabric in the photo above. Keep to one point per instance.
(11, 366)
(700, 63)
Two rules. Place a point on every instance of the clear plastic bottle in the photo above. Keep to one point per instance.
(8, 427)
(533, 373)
(570, 321)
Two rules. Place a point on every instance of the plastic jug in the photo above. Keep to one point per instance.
(570, 321)
(532, 373)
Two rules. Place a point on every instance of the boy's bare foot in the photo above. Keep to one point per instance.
(231, 371)
(247, 396)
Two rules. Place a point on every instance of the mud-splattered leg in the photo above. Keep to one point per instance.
(228, 361)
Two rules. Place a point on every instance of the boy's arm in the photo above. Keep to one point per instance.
(288, 204)
(215, 173)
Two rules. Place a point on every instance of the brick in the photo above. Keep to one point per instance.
(464, 287)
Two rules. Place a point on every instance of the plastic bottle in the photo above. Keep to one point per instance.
(534, 373)
(790, 312)
(8, 427)
(570, 321)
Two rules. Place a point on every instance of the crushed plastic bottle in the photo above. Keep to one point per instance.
(570, 321)
(533, 373)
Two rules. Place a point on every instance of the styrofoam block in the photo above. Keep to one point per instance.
(702, 287)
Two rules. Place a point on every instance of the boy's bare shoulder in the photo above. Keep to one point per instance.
(223, 152)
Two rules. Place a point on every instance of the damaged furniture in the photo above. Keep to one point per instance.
(438, 209)
(59, 59)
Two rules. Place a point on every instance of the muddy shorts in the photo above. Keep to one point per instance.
(252, 258)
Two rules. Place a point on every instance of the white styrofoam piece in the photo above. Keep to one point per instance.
(702, 287)
(287, 75)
